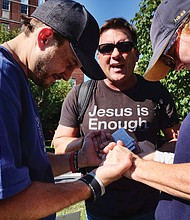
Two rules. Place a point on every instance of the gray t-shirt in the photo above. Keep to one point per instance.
(144, 109)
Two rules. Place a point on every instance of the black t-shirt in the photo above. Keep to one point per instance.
(145, 109)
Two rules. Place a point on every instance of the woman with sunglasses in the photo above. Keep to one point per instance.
(123, 99)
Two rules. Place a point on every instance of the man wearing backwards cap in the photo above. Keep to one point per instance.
(170, 36)
(60, 35)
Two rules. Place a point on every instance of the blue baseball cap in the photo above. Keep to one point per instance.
(167, 18)
(71, 20)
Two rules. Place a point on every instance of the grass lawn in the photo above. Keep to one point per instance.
(74, 208)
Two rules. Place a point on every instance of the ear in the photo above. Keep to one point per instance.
(137, 54)
(45, 36)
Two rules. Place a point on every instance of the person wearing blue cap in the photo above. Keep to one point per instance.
(60, 35)
(170, 37)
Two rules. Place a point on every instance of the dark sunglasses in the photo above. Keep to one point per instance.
(170, 60)
(166, 58)
(123, 47)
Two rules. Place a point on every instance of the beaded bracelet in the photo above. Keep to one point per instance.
(71, 162)
(95, 184)
(75, 160)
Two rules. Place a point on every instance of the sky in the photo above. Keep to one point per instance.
(106, 9)
(103, 10)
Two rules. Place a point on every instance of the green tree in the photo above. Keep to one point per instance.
(6, 35)
(178, 83)
(49, 102)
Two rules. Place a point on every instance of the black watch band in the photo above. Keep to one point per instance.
(95, 185)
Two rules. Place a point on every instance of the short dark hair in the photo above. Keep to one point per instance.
(119, 23)
(29, 24)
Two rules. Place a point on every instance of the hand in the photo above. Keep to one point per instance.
(117, 162)
(100, 142)
(147, 150)
(137, 149)
(88, 155)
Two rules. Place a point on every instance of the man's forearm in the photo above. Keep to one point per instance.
(59, 163)
(67, 144)
(172, 178)
(42, 199)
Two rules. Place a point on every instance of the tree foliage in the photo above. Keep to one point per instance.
(49, 102)
(178, 83)
(6, 35)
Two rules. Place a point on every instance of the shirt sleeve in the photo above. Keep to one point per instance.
(69, 111)
(14, 176)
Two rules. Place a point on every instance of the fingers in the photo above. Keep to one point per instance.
(109, 147)
(109, 136)
(120, 143)
(93, 134)
(104, 144)
(137, 150)
(117, 162)
(99, 139)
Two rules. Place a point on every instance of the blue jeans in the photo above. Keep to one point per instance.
(145, 216)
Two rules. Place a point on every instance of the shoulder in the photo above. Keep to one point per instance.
(79, 91)
(153, 90)
(149, 83)
(156, 86)
(87, 86)
(11, 74)
(88, 83)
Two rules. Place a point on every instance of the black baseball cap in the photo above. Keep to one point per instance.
(167, 18)
(74, 22)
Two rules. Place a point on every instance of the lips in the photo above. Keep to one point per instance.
(117, 66)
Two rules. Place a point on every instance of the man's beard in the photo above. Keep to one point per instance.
(41, 73)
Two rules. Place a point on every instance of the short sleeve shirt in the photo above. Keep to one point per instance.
(143, 110)
(23, 158)
(170, 207)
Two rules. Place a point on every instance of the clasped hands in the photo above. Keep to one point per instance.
(113, 159)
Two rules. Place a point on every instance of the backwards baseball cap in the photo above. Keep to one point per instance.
(168, 17)
(71, 20)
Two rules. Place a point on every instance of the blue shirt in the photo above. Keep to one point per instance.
(170, 207)
(23, 158)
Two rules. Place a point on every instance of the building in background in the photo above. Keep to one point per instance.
(10, 11)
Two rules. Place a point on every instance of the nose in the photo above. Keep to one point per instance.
(115, 53)
(66, 74)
